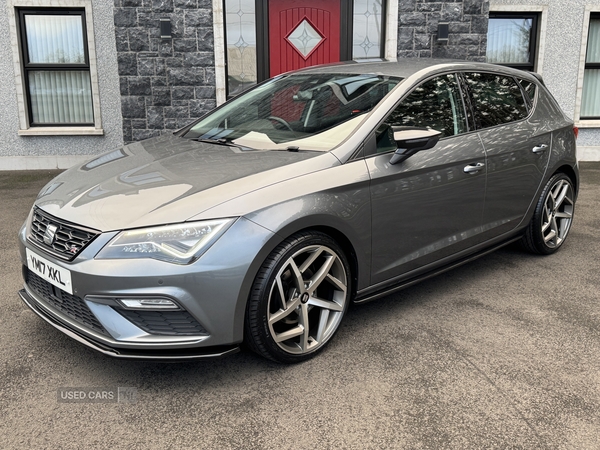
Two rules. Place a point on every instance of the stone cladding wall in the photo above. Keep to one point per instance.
(165, 83)
(418, 22)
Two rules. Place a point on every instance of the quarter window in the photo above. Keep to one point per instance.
(511, 39)
(56, 67)
(590, 102)
(497, 99)
(529, 88)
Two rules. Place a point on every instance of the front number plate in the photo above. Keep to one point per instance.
(59, 277)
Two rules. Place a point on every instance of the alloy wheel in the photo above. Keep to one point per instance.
(307, 299)
(557, 213)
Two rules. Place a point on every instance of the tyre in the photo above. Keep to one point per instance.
(298, 299)
(552, 218)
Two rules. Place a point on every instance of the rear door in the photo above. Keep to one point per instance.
(427, 207)
(517, 146)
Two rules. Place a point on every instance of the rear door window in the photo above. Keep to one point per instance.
(497, 99)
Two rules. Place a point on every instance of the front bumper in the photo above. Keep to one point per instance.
(151, 354)
(212, 292)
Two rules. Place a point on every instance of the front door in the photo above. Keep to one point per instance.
(430, 206)
(303, 33)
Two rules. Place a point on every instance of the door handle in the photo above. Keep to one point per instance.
(474, 168)
(540, 148)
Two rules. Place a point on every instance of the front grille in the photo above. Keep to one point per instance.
(170, 323)
(68, 304)
(69, 239)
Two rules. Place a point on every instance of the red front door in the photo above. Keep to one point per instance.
(303, 33)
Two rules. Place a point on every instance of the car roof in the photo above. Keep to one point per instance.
(405, 67)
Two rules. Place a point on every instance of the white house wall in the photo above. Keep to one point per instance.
(560, 58)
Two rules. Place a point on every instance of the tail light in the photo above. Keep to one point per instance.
(576, 132)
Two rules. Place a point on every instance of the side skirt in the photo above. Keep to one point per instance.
(367, 295)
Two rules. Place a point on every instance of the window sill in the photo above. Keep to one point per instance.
(588, 124)
(62, 131)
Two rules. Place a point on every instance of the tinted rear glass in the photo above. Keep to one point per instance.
(497, 99)
(529, 88)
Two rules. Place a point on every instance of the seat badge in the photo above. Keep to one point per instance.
(50, 234)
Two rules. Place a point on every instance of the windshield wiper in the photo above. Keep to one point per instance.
(222, 141)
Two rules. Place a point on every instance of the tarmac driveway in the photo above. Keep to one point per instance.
(500, 353)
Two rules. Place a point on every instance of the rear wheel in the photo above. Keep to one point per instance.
(552, 218)
(298, 299)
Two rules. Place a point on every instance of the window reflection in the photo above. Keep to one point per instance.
(436, 104)
(530, 90)
(498, 99)
(307, 111)
(508, 40)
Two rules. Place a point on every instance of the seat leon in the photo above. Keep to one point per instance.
(263, 220)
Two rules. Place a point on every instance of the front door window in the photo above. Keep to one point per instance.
(436, 104)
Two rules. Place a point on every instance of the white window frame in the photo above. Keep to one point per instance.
(25, 128)
(593, 123)
(542, 27)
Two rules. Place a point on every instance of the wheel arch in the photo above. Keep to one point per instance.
(346, 246)
(337, 230)
(571, 173)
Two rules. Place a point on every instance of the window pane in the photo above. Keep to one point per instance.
(508, 40)
(529, 88)
(309, 111)
(498, 99)
(436, 104)
(54, 39)
(368, 29)
(593, 48)
(60, 97)
(240, 28)
(590, 103)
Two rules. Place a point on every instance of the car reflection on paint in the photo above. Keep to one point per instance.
(262, 221)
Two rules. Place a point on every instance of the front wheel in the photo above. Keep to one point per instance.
(298, 298)
(552, 218)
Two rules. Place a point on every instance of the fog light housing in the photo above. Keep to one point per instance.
(149, 303)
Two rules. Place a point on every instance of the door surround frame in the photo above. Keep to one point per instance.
(390, 40)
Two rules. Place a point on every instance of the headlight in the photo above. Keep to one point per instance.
(180, 244)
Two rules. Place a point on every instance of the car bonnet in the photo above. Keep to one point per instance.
(167, 180)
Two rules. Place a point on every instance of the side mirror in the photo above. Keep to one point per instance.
(411, 140)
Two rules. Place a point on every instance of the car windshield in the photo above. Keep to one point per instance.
(295, 112)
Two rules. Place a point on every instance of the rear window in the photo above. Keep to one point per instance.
(497, 99)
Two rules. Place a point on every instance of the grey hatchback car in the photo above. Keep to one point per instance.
(262, 221)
